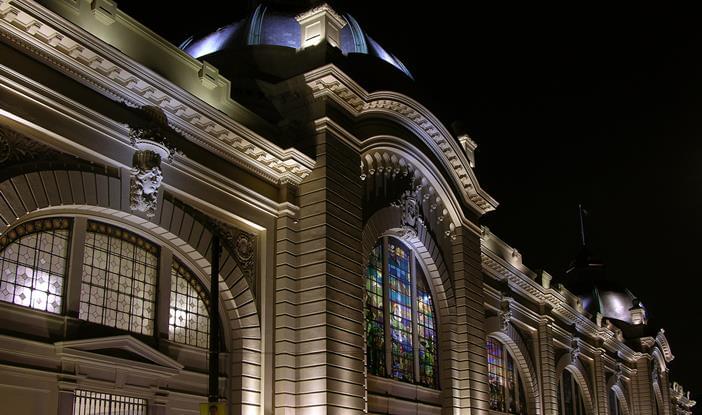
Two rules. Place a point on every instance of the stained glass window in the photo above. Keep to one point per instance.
(495, 374)
(615, 407)
(400, 312)
(188, 321)
(400, 320)
(375, 319)
(570, 399)
(427, 333)
(120, 272)
(506, 385)
(33, 264)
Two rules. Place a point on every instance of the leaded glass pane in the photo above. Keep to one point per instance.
(375, 319)
(119, 279)
(495, 377)
(33, 264)
(188, 321)
(426, 326)
(400, 292)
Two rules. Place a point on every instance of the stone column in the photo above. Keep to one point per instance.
(319, 290)
(643, 400)
(470, 390)
(547, 366)
(66, 391)
(600, 383)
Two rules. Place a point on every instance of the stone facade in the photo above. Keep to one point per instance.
(79, 78)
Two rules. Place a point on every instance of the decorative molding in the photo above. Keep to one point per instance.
(89, 61)
(123, 342)
(330, 82)
(422, 196)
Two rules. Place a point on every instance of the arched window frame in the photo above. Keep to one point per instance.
(578, 405)
(501, 375)
(77, 226)
(416, 271)
(195, 291)
(38, 228)
(615, 405)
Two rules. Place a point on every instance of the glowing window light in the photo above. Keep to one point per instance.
(33, 264)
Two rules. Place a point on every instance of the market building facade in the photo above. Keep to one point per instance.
(355, 276)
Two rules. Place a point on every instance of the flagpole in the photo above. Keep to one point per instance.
(582, 225)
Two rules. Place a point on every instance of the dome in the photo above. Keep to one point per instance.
(272, 27)
(612, 301)
(587, 278)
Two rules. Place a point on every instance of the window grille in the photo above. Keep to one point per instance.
(33, 264)
(97, 403)
(120, 273)
(189, 321)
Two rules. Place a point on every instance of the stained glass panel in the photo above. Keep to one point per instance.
(375, 319)
(120, 271)
(189, 321)
(33, 264)
(495, 378)
(426, 327)
(400, 292)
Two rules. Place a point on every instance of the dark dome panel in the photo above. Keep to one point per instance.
(269, 27)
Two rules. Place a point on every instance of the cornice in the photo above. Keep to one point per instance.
(497, 267)
(13, 83)
(81, 56)
(330, 82)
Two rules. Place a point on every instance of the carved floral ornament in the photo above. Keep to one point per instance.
(420, 203)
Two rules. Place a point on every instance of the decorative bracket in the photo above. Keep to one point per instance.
(411, 212)
(575, 350)
(505, 313)
(152, 146)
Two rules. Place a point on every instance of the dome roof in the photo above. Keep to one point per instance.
(586, 278)
(268, 26)
(610, 300)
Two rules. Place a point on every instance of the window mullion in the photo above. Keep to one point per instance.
(163, 295)
(75, 266)
(415, 318)
(386, 310)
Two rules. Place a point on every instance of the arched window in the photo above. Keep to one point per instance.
(570, 395)
(33, 267)
(615, 406)
(400, 322)
(120, 273)
(506, 384)
(189, 321)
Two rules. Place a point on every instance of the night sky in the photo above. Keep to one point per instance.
(582, 105)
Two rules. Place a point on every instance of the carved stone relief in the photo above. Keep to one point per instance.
(152, 145)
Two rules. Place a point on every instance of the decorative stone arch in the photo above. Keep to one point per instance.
(615, 383)
(392, 156)
(659, 359)
(330, 82)
(519, 350)
(97, 195)
(579, 372)
(385, 221)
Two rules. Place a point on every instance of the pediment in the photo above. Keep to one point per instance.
(117, 348)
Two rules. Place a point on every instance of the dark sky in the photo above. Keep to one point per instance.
(582, 105)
